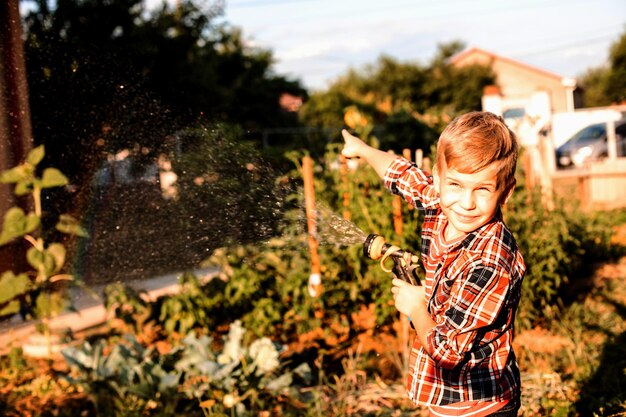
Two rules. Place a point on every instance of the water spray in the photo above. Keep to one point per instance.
(405, 263)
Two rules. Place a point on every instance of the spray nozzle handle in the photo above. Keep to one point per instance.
(405, 272)
(405, 263)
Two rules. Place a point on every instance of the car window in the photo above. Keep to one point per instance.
(515, 113)
(588, 134)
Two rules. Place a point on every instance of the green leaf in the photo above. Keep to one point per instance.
(278, 384)
(69, 225)
(52, 177)
(32, 222)
(16, 224)
(12, 286)
(57, 251)
(38, 260)
(36, 155)
(24, 187)
(49, 304)
(17, 174)
(13, 307)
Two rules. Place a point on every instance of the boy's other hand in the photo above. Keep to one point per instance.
(406, 296)
(353, 145)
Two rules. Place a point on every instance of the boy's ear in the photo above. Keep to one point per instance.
(507, 193)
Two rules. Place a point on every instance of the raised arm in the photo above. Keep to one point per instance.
(356, 148)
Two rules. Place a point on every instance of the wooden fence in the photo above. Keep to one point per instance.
(598, 186)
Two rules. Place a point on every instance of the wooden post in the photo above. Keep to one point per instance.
(343, 170)
(15, 124)
(396, 204)
(406, 152)
(426, 165)
(315, 278)
(419, 158)
(529, 171)
(611, 140)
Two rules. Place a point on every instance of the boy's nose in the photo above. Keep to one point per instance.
(467, 200)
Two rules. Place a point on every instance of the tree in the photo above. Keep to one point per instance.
(606, 85)
(616, 80)
(594, 83)
(107, 75)
(15, 125)
(408, 103)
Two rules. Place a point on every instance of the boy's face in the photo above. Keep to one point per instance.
(469, 201)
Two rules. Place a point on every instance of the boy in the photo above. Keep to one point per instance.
(462, 362)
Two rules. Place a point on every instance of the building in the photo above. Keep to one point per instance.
(521, 87)
(543, 110)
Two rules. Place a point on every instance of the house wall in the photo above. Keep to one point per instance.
(520, 83)
(517, 81)
(549, 121)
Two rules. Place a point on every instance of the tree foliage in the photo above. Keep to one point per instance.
(606, 85)
(106, 75)
(409, 102)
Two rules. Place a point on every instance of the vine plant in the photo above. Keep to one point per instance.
(39, 293)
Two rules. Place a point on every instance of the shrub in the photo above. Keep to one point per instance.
(559, 247)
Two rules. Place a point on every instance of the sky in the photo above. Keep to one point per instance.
(316, 41)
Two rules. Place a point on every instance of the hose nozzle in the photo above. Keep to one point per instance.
(405, 263)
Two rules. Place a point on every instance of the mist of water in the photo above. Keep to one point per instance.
(224, 194)
(332, 229)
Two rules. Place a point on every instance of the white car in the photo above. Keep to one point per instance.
(590, 144)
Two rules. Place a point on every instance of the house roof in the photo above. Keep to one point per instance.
(471, 51)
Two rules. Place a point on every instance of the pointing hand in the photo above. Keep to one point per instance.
(353, 145)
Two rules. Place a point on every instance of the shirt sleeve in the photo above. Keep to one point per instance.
(411, 183)
(475, 307)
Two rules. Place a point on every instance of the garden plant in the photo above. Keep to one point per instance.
(251, 341)
(41, 292)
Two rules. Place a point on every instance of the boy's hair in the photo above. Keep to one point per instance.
(475, 140)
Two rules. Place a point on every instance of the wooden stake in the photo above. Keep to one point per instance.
(419, 158)
(396, 204)
(406, 152)
(343, 170)
(315, 279)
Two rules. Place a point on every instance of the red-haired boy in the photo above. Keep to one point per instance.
(462, 361)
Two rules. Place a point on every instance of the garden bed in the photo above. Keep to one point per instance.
(560, 367)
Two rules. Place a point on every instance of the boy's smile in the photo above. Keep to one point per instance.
(469, 201)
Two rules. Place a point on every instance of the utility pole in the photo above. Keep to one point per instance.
(15, 125)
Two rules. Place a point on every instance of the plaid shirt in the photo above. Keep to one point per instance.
(472, 293)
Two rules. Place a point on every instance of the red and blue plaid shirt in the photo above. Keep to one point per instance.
(472, 292)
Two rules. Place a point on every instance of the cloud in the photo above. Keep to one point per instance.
(321, 47)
